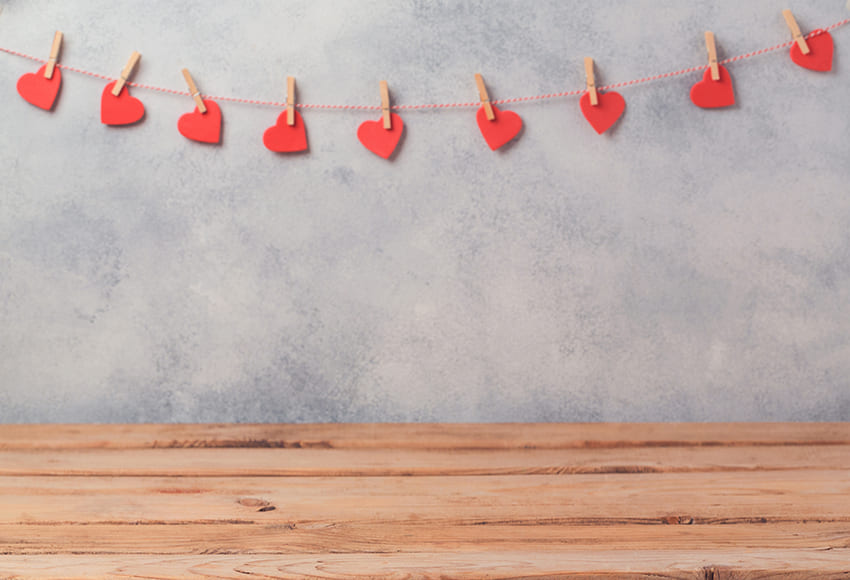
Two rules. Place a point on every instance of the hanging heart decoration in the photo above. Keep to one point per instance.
(821, 49)
(38, 90)
(609, 109)
(120, 110)
(202, 127)
(501, 130)
(711, 94)
(284, 138)
(382, 142)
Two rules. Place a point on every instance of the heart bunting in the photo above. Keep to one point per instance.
(814, 51)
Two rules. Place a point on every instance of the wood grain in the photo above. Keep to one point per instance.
(251, 536)
(576, 500)
(425, 501)
(649, 564)
(450, 436)
(230, 462)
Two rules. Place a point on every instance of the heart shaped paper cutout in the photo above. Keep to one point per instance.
(38, 90)
(203, 127)
(282, 138)
(605, 114)
(710, 94)
(120, 110)
(821, 49)
(382, 142)
(500, 130)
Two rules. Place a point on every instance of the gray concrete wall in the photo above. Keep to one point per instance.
(690, 265)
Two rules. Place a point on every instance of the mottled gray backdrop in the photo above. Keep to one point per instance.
(690, 265)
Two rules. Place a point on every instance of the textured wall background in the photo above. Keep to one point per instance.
(690, 265)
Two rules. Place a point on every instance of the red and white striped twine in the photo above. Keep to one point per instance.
(435, 105)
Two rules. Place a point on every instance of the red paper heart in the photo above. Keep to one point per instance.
(710, 94)
(285, 139)
(602, 116)
(38, 90)
(120, 110)
(203, 127)
(820, 52)
(500, 130)
(382, 142)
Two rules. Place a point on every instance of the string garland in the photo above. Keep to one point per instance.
(432, 105)
(602, 107)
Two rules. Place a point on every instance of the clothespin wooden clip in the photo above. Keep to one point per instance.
(795, 31)
(712, 56)
(54, 55)
(290, 101)
(125, 74)
(485, 98)
(196, 94)
(385, 105)
(591, 81)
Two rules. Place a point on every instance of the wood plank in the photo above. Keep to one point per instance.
(240, 537)
(422, 435)
(728, 564)
(425, 501)
(228, 462)
(688, 498)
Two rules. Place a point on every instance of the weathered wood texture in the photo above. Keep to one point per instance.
(704, 501)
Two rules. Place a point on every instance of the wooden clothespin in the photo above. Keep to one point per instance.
(591, 81)
(485, 98)
(795, 31)
(290, 101)
(385, 105)
(193, 90)
(712, 56)
(54, 55)
(125, 74)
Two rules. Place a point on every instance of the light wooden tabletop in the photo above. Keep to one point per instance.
(392, 501)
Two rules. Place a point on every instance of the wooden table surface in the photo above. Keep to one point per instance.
(392, 501)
